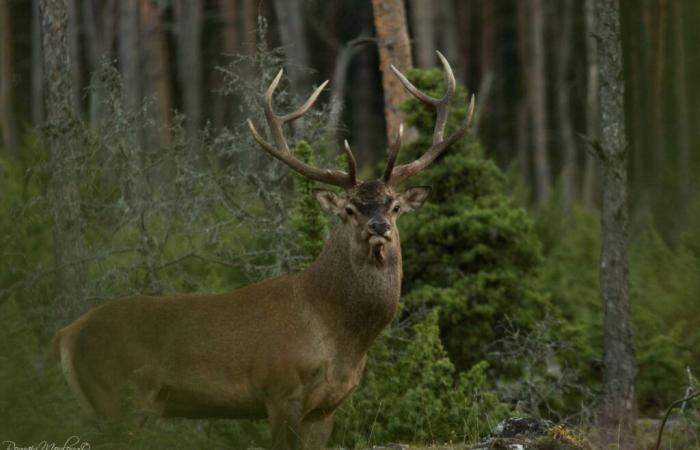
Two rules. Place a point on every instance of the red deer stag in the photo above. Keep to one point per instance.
(289, 349)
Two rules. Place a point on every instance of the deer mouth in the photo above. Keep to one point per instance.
(376, 248)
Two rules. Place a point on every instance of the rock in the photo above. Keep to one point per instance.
(521, 426)
(532, 433)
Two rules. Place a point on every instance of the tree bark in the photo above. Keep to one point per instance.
(188, 15)
(63, 191)
(537, 89)
(680, 88)
(564, 45)
(156, 73)
(423, 21)
(592, 108)
(129, 53)
(487, 38)
(619, 369)
(293, 36)
(8, 123)
(229, 44)
(447, 34)
(76, 66)
(99, 19)
(249, 17)
(37, 67)
(394, 48)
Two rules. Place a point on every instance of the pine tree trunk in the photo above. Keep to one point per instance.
(8, 123)
(592, 108)
(619, 369)
(487, 38)
(37, 67)
(63, 190)
(538, 91)
(129, 53)
(447, 34)
(155, 75)
(76, 66)
(293, 36)
(229, 43)
(189, 62)
(394, 48)
(564, 45)
(99, 19)
(680, 90)
(423, 21)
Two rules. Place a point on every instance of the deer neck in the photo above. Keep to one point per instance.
(357, 297)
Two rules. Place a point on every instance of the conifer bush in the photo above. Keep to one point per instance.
(471, 250)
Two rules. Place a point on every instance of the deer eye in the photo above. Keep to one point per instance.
(396, 208)
(349, 211)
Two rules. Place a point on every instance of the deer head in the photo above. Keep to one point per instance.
(368, 209)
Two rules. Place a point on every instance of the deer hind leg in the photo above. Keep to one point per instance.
(285, 419)
(66, 354)
(315, 433)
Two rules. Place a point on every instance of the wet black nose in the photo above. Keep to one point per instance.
(378, 227)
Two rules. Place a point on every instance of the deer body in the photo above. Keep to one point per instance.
(301, 337)
(289, 349)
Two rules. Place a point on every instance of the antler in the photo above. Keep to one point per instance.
(281, 150)
(395, 175)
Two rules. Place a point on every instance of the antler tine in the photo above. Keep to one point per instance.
(441, 106)
(393, 154)
(281, 150)
(352, 164)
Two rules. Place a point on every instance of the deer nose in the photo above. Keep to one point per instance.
(378, 227)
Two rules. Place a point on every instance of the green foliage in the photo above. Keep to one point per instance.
(30, 386)
(470, 250)
(570, 275)
(666, 312)
(413, 393)
(308, 221)
(665, 287)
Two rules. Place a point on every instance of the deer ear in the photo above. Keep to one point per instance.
(329, 201)
(414, 198)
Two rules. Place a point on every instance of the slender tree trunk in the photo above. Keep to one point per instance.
(8, 123)
(99, 19)
(568, 173)
(189, 62)
(129, 53)
(293, 37)
(487, 38)
(522, 142)
(680, 88)
(524, 119)
(423, 21)
(394, 48)
(362, 99)
(156, 73)
(592, 108)
(229, 43)
(617, 413)
(659, 128)
(447, 32)
(538, 91)
(249, 15)
(63, 191)
(76, 65)
(464, 12)
(37, 67)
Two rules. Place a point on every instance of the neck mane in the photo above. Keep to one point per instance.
(358, 297)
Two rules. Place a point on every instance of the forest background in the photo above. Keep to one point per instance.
(159, 188)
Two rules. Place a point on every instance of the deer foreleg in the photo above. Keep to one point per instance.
(285, 419)
(315, 434)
